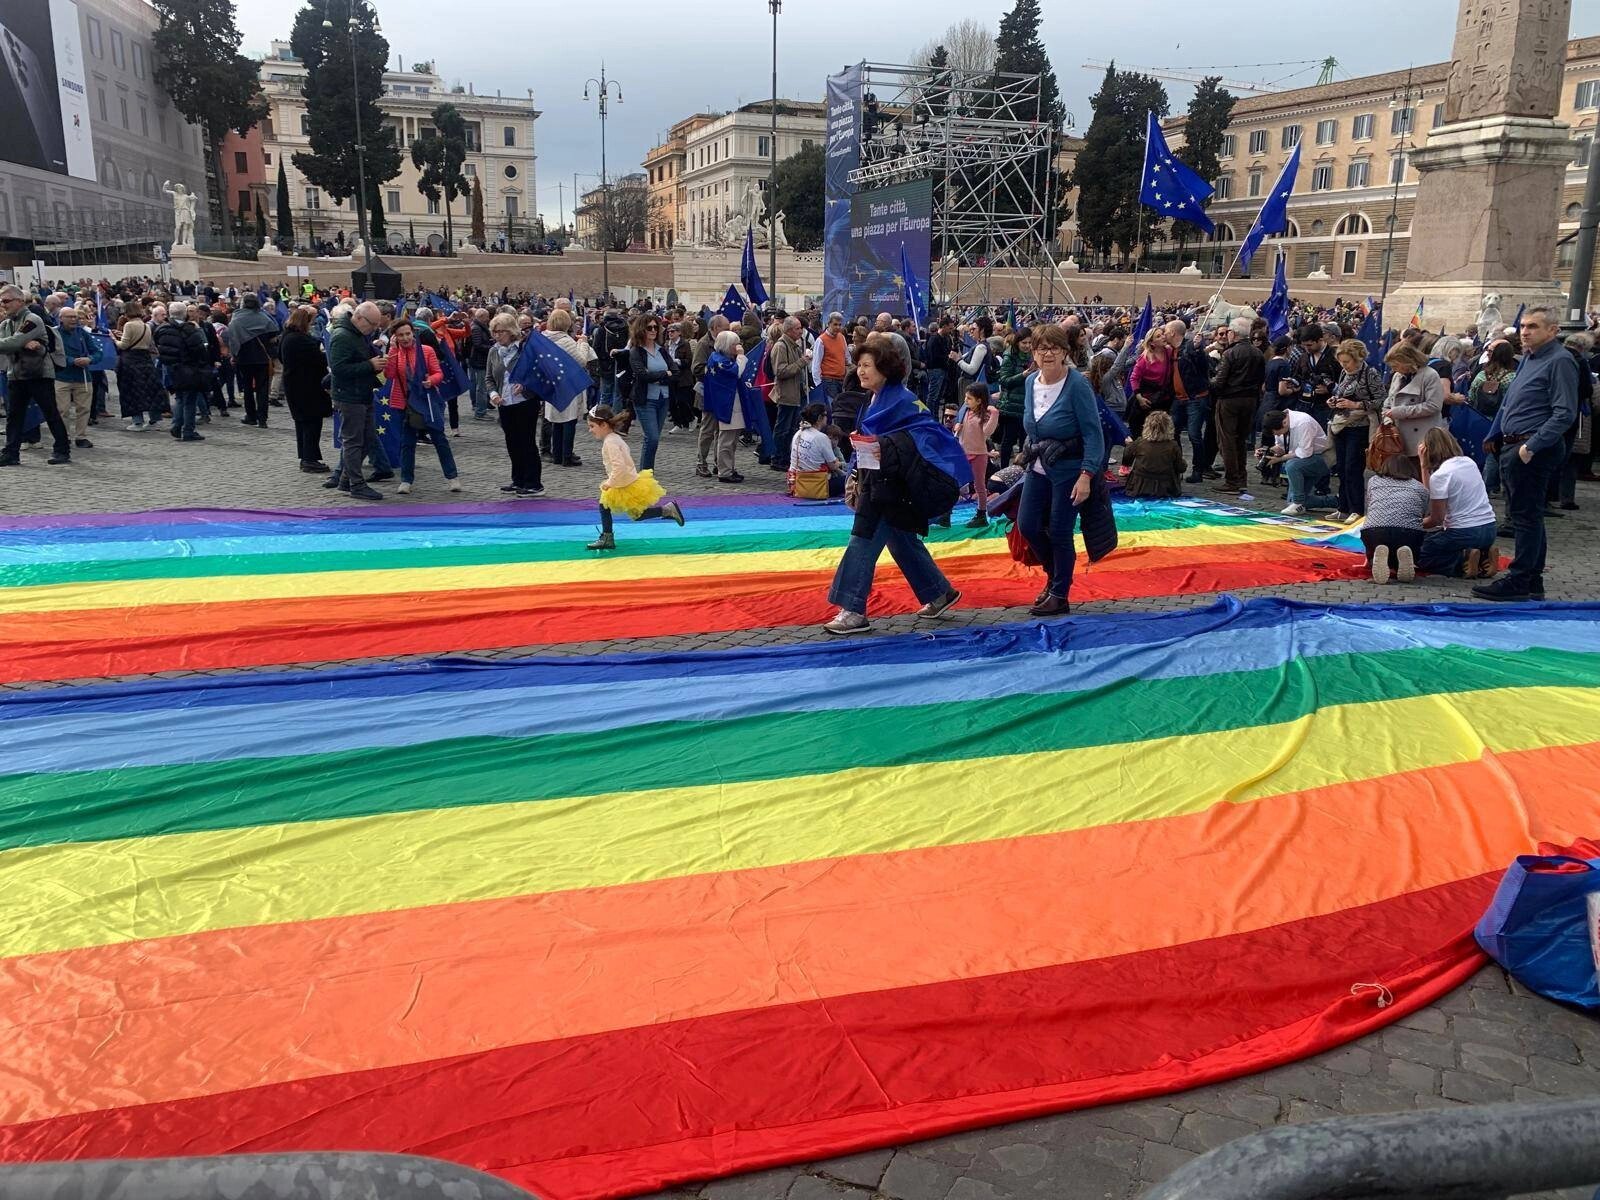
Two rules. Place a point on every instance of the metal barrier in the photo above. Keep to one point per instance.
(256, 1177)
(1485, 1152)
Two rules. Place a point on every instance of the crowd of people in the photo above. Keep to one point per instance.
(1048, 405)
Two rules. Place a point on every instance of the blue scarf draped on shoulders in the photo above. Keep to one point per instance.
(896, 409)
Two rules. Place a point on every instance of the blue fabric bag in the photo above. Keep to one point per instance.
(1537, 925)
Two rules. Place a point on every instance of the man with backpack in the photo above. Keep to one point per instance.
(27, 345)
(610, 342)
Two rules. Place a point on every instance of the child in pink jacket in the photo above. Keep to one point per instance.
(977, 425)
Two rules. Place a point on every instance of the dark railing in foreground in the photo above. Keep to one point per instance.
(1483, 1152)
(329, 1176)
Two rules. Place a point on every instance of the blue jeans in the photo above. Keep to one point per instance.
(783, 431)
(408, 454)
(561, 435)
(480, 390)
(652, 418)
(608, 393)
(852, 581)
(831, 388)
(1308, 481)
(1190, 415)
(185, 407)
(1047, 518)
(1525, 485)
(1442, 548)
(934, 391)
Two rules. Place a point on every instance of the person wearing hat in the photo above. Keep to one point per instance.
(626, 488)
(1236, 390)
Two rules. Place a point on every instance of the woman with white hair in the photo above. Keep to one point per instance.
(519, 413)
(563, 422)
(734, 404)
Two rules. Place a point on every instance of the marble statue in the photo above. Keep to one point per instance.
(1491, 322)
(183, 213)
(1192, 269)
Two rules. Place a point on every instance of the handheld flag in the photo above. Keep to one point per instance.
(732, 307)
(1416, 317)
(1274, 214)
(439, 304)
(916, 306)
(281, 311)
(1276, 309)
(1516, 322)
(105, 352)
(1168, 185)
(1371, 334)
(748, 275)
(545, 370)
(456, 381)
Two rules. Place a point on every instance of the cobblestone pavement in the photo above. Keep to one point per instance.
(1489, 1041)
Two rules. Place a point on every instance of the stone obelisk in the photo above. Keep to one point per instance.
(1489, 197)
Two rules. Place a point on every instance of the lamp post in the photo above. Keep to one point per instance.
(775, 7)
(369, 288)
(602, 84)
(1583, 257)
(1399, 172)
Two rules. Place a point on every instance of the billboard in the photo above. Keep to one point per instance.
(843, 156)
(881, 221)
(42, 88)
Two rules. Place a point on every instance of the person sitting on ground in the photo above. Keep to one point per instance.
(1155, 461)
(811, 450)
(1460, 520)
(1393, 533)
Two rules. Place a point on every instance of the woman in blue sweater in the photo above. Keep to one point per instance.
(1067, 450)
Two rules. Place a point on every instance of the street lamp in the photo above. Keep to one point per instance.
(369, 288)
(603, 84)
(1399, 172)
(775, 7)
(1583, 258)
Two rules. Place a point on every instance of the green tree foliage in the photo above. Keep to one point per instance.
(1210, 109)
(1019, 51)
(479, 234)
(332, 96)
(285, 214)
(439, 157)
(198, 64)
(1112, 158)
(377, 227)
(801, 196)
(261, 223)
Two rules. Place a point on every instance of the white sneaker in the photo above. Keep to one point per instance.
(1408, 564)
(1340, 517)
(455, 433)
(404, 489)
(1295, 510)
(847, 622)
(1380, 564)
(455, 485)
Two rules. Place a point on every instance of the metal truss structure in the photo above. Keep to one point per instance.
(981, 138)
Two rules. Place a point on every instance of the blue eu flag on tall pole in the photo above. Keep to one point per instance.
(1274, 215)
(748, 275)
(1168, 185)
(916, 307)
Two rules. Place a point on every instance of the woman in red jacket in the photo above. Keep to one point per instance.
(414, 376)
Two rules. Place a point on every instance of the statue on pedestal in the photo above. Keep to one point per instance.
(183, 213)
(1491, 322)
(1192, 269)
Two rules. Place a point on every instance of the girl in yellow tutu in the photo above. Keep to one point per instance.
(626, 489)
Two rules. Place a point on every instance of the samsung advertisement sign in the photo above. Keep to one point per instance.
(42, 88)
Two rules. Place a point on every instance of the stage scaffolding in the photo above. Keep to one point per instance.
(981, 138)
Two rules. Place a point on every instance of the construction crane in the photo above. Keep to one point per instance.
(1328, 67)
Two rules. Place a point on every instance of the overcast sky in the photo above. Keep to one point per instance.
(672, 60)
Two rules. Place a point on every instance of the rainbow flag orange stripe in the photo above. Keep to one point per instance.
(569, 920)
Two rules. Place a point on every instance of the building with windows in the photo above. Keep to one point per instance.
(592, 204)
(724, 156)
(663, 168)
(500, 156)
(1356, 138)
(83, 159)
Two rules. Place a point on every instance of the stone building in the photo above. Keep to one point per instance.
(500, 155)
(591, 207)
(724, 156)
(1357, 138)
(664, 167)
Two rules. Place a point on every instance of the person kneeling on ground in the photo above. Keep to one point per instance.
(1393, 533)
(1300, 446)
(1460, 521)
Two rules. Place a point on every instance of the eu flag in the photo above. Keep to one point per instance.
(1274, 214)
(1168, 185)
(439, 304)
(916, 306)
(1141, 329)
(748, 275)
(456, 381)
(1276, 310)
(545, 370)
(1371, 335)
(732, 307)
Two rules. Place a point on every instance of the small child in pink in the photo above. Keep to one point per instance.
(977, 425)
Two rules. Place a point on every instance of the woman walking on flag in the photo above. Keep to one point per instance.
(414, 376)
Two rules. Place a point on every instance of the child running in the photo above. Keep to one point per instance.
(978, 422)
(626, 489)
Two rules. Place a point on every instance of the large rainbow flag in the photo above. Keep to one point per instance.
(121, 594)
(603, 925)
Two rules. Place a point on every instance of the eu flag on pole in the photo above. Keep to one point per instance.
(1371, 334)
(916, 306)
(1168, 185)
(545, 370)
(732, 307)
(1276, 310)
(748, 275)
(1274, 214)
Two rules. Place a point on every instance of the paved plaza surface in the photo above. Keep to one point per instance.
(1489, 1041)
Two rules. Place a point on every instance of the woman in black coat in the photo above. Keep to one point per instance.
(305, 366)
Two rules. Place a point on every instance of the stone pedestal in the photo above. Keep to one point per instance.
(1489, 197)
(184, 262)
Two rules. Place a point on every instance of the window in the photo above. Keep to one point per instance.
(1222, 233)
(1356, 174)
(1438, 116)
(1566, 255)
(511, 171)
(1352, 225)
(1402, 120)
(509, 134)
(1224, 187)
(266, 158)
(144, 120)
(1574, 211)
(391, 200)
(1321, 177)
(1290, 137)
(123, 100)
(109, 175)
(433, 208)
(241, 162)
(511, 207)
(1227, 146)
(1257, 182)
(1314, 260)
(138, 60)
(161, 120)
(1580, 151)
(1387, 260)
(1588, 93)
(104, 116)
(763, 146)
(313, 198)
(1327, 132)
(470, 170)
(1397, 168)
(1361, 128)
(97, 47)
(1258, 141)
(727, 147)
(117, 55)
(305, 124)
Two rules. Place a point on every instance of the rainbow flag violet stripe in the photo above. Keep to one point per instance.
(604, 925)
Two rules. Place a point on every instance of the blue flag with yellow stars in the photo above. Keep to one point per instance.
(547, 371)
(1168, 185)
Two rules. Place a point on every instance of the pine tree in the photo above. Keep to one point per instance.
(331, 107)
(439, 157)
(479, 234)
(1210, 109)
(1112, 158)
(285, 215)
(377, 230)
(261, 223)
